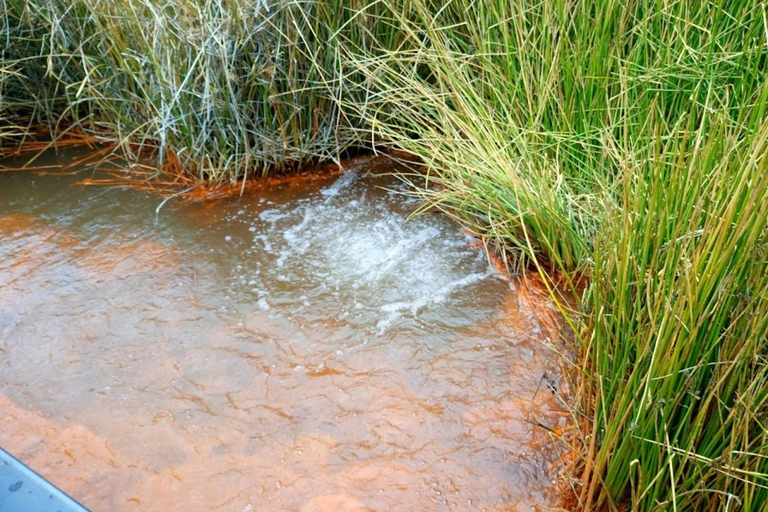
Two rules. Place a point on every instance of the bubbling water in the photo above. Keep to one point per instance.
(307, 347)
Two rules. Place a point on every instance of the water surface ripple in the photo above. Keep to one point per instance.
(301, 348)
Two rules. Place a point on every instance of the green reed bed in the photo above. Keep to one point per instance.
(226, 88)
(676, 350)
(621, 141)
(624, 142)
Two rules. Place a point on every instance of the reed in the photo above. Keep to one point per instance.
(626, 142)
(676, 347)
(222, 89)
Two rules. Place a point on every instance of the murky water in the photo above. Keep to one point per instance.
(302, 348)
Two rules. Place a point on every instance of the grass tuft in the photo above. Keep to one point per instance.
(222, 89)
(625, 142)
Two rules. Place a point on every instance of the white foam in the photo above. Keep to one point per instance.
(340, 184)
(272, 216)
(356, 255)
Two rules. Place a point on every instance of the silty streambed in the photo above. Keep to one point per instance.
(304, 347)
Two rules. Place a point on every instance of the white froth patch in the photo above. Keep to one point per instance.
(361, 257)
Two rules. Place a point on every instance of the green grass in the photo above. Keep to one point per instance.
(625, 142)
(222, 89)
(10, 131)
(621, 141)
(676, 347)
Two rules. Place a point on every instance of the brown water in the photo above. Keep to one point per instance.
(302, 348)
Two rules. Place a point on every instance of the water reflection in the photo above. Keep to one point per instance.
(301, 349)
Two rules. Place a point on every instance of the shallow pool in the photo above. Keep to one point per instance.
(305, 347)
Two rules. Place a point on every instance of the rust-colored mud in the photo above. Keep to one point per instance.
(303, 348)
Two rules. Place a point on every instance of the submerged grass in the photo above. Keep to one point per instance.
(624, 141)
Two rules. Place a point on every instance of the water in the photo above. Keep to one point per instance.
(303, 348)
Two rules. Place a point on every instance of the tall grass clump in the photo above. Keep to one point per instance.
(12, 93)
(677, 352)
(486, 94)
(219, 88)
(624, 142)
